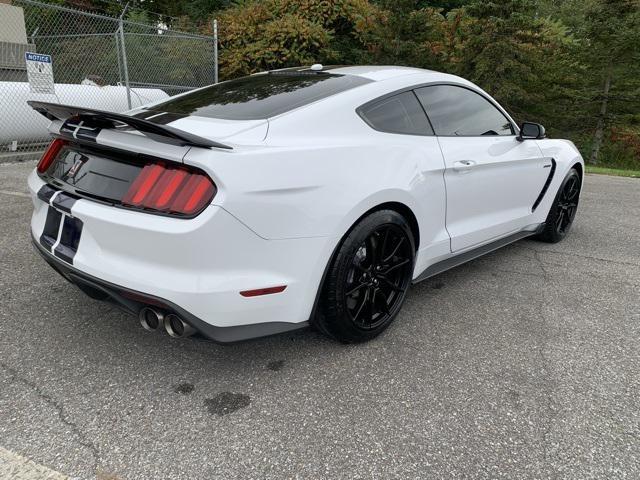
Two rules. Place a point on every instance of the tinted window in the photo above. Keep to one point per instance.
(401, 113)
(459, 111)
(260, 96)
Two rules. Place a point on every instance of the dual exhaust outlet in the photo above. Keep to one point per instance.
(152, 319)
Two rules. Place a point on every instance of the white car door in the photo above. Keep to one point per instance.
(492, 179)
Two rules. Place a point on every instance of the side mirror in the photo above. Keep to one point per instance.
(531, 131)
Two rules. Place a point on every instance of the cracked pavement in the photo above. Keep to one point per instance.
(522, 364)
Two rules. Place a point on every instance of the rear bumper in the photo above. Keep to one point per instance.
(197, 267)
(132, 302)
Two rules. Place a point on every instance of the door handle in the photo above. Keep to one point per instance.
(463, 165)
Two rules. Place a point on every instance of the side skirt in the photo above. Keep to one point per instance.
(469, 255)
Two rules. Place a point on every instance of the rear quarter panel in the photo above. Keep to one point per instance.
(318, 172)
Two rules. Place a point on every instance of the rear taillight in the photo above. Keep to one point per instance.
(50, 154)
(170, 189)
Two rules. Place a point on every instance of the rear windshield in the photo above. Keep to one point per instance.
(260, 96)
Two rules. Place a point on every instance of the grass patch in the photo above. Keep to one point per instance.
(613, 171)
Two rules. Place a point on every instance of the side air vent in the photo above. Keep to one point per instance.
(552, 171)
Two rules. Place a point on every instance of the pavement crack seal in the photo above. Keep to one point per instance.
(59, 408)
(543, 343)
(536, 255)
(548, 381)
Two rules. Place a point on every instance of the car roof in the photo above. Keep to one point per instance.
(382, 81)
(380, 72)
(371, 72)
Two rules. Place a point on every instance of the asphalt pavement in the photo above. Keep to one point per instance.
(523, 364)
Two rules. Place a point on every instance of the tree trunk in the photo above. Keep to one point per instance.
(599, 133)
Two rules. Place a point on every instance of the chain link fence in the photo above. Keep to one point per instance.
(98, 62)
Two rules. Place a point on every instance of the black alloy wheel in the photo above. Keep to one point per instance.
(563, 210)
(368, 279)
(567, 204)
(377, 279)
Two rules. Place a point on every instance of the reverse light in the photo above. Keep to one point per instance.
(50, 154)
(177, 190)
(263, 291)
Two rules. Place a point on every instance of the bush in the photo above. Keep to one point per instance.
(273, 34)
(622, 150)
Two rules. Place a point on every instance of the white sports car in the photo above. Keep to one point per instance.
(312, 195)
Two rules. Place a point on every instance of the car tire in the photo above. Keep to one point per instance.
(368, 278)
(563, 210)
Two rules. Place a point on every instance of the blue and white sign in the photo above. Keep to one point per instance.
(40, 73)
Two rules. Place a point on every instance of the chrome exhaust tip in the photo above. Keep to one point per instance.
(150, 318)
(176, 327)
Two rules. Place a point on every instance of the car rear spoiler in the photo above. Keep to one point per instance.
(110, 120)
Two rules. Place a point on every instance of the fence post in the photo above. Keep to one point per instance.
(116, 39)
(215, 51)
(124, 56)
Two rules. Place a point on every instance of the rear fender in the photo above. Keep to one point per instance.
(299, 191)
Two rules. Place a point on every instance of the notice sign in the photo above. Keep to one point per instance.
(40, 73)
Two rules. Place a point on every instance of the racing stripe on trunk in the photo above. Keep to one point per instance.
(61, 233)
(45, 193)
(63, 202)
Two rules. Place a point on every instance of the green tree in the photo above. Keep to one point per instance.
(612, 45)
(269, 34)
(413, 36)
(514, 54)
(520, 57)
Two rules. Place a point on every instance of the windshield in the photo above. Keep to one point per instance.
(260, 96)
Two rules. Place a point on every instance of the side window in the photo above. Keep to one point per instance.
(460, 111)
(400, 113)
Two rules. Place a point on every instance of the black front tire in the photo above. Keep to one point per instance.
(563, 210)
(368, 278)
